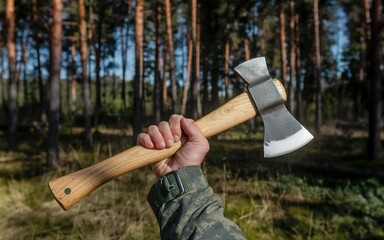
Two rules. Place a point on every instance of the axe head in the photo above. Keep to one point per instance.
(282, 132)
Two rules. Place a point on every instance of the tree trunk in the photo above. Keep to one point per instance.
(54, 93)
(196, 106)
(24, 50)
(91, 36)
(197, 62)
(367, 19)
(164, 79)
(226, 68)
(247, 51)
(2, 82)
(375, 106)
(124, 50)
(299, 107)
(317, 73)
(157, 97)
(98, 50)
(215, 100)
(292, 62)
(84, 75)
(12, 92)
(68, 77)
(205, 86)
(123, 62)
(138, 85)
(187, 78)
(171, 55)
(35, 20)
(362, 63)
(73, 78)
(283, 51)
(263, 38)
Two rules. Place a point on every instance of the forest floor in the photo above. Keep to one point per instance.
(326, 190)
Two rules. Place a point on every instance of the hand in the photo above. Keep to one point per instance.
(166, 134)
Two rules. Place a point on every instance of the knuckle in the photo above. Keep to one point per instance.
(152, 128)
(175, 115)
(141, 136)
(163, 124)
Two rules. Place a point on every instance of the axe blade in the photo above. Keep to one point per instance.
(282, 132)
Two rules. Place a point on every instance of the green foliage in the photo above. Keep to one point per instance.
(265, 200)
(364, 198)
(113, 108)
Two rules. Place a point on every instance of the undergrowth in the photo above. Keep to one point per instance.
(266, 202)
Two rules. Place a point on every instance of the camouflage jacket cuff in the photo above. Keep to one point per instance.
(176, 184)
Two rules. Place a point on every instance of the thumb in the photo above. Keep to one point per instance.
(190, 129)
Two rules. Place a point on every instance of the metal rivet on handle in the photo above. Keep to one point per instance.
(67, 191)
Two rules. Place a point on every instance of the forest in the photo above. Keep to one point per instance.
(80, 79)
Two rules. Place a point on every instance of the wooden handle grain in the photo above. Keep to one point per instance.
(71, 188)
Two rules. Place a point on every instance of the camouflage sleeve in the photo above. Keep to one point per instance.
(186, 207)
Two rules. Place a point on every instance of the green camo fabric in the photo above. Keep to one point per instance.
(196, 214)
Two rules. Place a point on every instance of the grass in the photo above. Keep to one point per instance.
(280, 198)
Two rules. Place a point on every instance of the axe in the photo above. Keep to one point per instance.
(282, 134)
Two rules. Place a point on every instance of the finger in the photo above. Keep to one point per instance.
(145, 140)
(190, 129)
(165, 130)
(174, 124)
(156, 137)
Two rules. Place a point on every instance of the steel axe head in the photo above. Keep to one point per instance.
(282, 132)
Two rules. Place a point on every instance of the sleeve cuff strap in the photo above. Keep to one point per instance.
(175, 184)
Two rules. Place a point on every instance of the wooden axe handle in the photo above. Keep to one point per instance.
(71, 188)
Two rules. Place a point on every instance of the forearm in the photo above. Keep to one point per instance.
(195, 214)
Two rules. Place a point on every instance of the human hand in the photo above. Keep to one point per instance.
(166, 134)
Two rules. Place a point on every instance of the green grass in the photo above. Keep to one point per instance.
(269, 199)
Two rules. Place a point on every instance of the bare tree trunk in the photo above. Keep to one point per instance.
(197, 61)
(171, 55)
(54, 93)
(98, 50)
(84, 74)
(215, 100)
(138, 92)
(157, 97)
(164, 79)
(2, 83)
(367, 19)
(358, 88)
(283, 51)
(196, 106)
(299, 107)
(187, 78)
(12, 92)
(362, 63)
(124, 50)
(292, 72)
(317, 76)
(205, 85)
(226, 68)
(24, 50)
(68, 71)
(91, 48)
(263, 38)
(123, 62)
(247, 52)
(35, 20)
(73, 77)
(375, 106)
